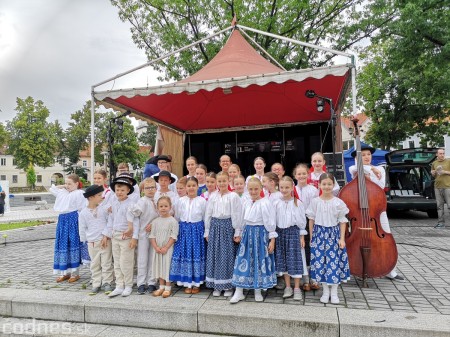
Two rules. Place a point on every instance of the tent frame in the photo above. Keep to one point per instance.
(232, 27)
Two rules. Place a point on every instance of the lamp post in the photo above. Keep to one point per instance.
(320, 104)
(119, 122)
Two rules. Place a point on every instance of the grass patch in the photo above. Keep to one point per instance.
(15, 225)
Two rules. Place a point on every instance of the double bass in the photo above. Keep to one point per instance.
(371, 251)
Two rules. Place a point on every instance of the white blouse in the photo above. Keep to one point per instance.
(288, 214)
(66, 201)
(315, 178)
(190, 209)
(224, 206)
(272, 197)
(260, 212)
(327, 213)
(306, 194)
(145, 210)
(368, 170)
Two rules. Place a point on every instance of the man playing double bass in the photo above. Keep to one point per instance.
(377, 175)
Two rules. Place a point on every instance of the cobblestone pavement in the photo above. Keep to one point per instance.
(424, 255)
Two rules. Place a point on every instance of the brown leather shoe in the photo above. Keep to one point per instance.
(166, 293)
(158, 292)
(315, 286)
(74, 278)
(188, 290)
(195, 290)
(63, 278)
(306, 287)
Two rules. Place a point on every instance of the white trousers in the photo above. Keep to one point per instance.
(144, 261)
(101, 263)
(384, 221)
(123, 261)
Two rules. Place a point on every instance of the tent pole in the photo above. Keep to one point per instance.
(310, 45)
(92, 134)
(162, 57)
(354, 86)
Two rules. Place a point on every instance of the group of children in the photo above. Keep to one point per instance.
(221, 230)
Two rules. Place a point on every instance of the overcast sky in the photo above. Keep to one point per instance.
(55, 50)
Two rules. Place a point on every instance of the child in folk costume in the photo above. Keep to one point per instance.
(144, 211)
(123, 244)
(93, 220)
(259, 164)
(291, 223)
(191, 165)
(254, 267)
(318, 165)
(239, 186)
(305, 193)
(200, 174)
(164, 179)
(189, 255)
(222, 227)
(181, 187)
(211, 185)
(101, 179)
(163, 235)
(270, 183)
(233, 172)
(69, 202)
(327, 221)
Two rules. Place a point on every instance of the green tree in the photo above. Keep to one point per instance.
(162, 26)
(31, 176)
(404, 86)
(32, 141)
(4, 135)
(149, 136)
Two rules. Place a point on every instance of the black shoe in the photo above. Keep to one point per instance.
(397, 278)
(151, 288)
(142, 289)
(439, 225)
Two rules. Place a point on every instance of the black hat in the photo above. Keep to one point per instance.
(126, 179)
(164, 157)
(165, 174)
(364, 147)
(93, 190)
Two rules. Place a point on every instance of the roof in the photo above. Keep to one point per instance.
(347, 121)
(237, 89)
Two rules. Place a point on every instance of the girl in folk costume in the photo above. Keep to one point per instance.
(164, 233)
(222, 227)
(211, 185)
(165, 179)
(200, 174)
(189, 255)
(270, 183)
(305, 193)
(181, 187)
(191, 165)
(327, 221)
(259, 164)
(291, 223)
(254, 267)
(145, 211)
(69, 202)
(233, 172)
(318, 166)
(101, 179)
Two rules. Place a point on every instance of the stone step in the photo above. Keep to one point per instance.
(219, 317)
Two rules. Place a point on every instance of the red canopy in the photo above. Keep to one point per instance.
(237, 89)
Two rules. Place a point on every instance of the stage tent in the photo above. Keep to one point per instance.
(237, 90)
(377, 159)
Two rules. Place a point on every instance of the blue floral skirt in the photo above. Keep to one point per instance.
(220, 255)
(67, 256)
(254, 267)
(329, 263)
(288, 253)
(189, 255)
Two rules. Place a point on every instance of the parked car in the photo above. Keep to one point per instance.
(409, 183)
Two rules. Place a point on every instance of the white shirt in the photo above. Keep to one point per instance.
(315, 177)
(306, 194)
(260, 212)
(92, 223)
(117, 220)
(66, 201)
(190, 209)
(368, 170)
(145, 211)
(224, 206)
(327, 213)
(288, 214)
(272, 197)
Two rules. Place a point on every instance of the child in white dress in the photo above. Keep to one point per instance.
(162, 236)
(327, 221)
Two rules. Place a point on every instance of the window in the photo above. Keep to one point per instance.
(14, 179)
(411, 144)
(39, 178)
(14, 162)
(2, 177)
(84, 163)
(3, 161)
